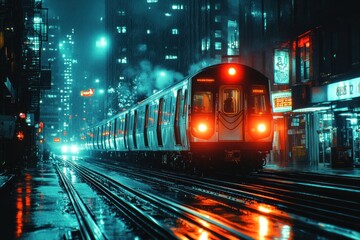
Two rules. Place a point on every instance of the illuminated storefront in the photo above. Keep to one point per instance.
(324, 132)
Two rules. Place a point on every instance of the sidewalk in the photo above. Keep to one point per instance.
(349, 172)
(34, 205)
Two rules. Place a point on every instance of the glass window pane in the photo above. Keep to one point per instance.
(202, 102)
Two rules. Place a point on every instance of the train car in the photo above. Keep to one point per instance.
(219, 116)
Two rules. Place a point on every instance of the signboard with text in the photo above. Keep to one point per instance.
(281, 101)
(87, 93)
(343, 90)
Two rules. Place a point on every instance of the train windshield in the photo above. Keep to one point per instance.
(258, 103)
(230, 100)
(203, 102)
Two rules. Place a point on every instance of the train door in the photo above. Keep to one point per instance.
(177, 118)
(231, 113)
(102, 141)
(126, 128)
(159, 122)
(134, 129)
(146, 125)
(116, 120)
(98, 140)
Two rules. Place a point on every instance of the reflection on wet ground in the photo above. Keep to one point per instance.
(36, 207)
(256, 224)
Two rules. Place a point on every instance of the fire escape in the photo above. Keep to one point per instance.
(23, 28)
(35, 32)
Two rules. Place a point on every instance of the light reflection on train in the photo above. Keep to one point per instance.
(219, 116)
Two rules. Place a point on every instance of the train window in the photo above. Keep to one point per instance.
(231, 100)
(202, 102)
(185, 103)
(258, 104)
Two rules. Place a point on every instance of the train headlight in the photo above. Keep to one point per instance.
(260, 127)
(74, 149)
(202, 127)
(64, 149)
(232, 71)
(70, 149)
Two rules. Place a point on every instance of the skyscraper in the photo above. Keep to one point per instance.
(157, 42)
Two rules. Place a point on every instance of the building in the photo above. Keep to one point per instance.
(66, 85)
(311, 52)
(50, 98)
(157, 42)
(23, 29)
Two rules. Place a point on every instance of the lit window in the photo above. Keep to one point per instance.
(202, 102)
(304, 50)
(122, 60)
(217, 19)
(217, 45)
(121, 13)
(174, 31)
(177, 7)
(218, 34)
(205, 44)
(121, 29)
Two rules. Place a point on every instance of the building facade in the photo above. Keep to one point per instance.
(23, 29)
(157, 42)
(50, 98)
(311, 52)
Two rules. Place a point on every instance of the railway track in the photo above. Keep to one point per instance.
(319, 206)
(88, 227)
(159, 217)
(174, 206)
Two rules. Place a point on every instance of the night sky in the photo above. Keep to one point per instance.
(85, 17)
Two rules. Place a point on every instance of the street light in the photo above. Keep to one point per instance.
(101, 43)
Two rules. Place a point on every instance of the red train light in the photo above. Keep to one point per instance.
(202, 128)
(260, 127)
(232, 71)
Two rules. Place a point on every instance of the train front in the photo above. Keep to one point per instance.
(230, 116)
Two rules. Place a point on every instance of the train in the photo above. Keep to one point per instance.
(218, 116)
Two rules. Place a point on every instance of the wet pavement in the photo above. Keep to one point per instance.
(34, 205)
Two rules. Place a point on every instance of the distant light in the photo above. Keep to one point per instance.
(101, 43)
(97, 80)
